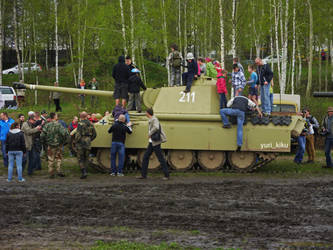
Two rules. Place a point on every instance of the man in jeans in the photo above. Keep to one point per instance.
(328, 132)
(238, 106)
(154, 146)
(5, 124)
(265, 76)
(310, 138)
(119, 130)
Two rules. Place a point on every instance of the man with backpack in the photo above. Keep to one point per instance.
(175, 60)
(55, 136)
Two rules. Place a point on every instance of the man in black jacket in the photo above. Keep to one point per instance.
(119, 130)
(135, 83)
(121, 74)
(191, 73)
(265, 76)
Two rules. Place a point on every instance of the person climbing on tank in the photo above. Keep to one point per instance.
(221, 85)
(191, 73)
(237, 107)
(121, 74)
(119, 130)
(119, 110)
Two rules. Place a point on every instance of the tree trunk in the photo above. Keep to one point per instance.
(211, 27)
(319, 69)
(309, 85)
(179, 27)
(233, 36)
(271, 34)
(56, 39)
(165, 39)
(81, 57)
(284, 50)
(331, 52)
(143, 63)
(132, 32)
(123, 29)
(16, 39)
(72, 59)
(326, 68)
(293, 50)
(221, 34)
(35, 54)
(185, 29)
(1, 40)
(276, 18)
(299, 77)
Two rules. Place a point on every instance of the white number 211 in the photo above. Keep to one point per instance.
(187, 97)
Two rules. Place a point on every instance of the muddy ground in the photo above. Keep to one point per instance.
(200, 211)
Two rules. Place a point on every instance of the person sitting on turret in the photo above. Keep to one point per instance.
(237, 107)
(191, 73)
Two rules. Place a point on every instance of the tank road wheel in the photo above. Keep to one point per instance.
(181, 159)
(211, 160)
(153, 161)
(242, 161)
(104, 159)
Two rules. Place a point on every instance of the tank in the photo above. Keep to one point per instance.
(195, 137)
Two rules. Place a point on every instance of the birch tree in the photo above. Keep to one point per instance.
(56, 39)
(221, 34)
(294, 50)
(16, 40)
(132, 31)
(276, 22)
(284, 38)
(165, 39)
(123, 28)
(309, 85)
(234, 24)
(185, 28)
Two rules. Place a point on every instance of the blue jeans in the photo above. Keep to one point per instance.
(301, 149)
(223, 100)
(127, 118)
(4, 153)
(240, 121)
(271, 95)
(188, 80)
(12, 155)
(117, 147)
(328, 147)
(265, 99)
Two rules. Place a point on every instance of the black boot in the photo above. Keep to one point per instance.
(84, 174)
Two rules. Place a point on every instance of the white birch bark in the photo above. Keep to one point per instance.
(185, 29)
(284, 50)
(221, 34)
(276, 19)
(271, 33)
(56, 39)
(22, 49)
(165, 39)
(123, 29)
(72, 59)
(211, 26)
(233, 36)
(132, 31)
(35, 57)
(319, 69)
(1, 40)
(294, 50)
(256, 36)
(326, 68)
(16, 38)
(299, 77)
(179, 26)
(81, 58)
(309, 85)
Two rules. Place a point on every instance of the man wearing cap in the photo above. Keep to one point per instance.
(43, 115)
(192, 71)
(328, 132)
(135, 83)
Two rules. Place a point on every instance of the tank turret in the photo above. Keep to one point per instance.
(194, 130)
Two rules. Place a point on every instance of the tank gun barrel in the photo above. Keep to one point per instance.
(69, 90)
(322, 94)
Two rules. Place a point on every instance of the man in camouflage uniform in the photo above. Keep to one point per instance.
(55, 136)
(85, 133)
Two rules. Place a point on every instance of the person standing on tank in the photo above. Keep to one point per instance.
(192, 71)
(119, 130)
(84, 135)
(175, 62)
(121, 74)
(156, 137)
(238, 80)
(55, 136)
(237, 107)
(265, 76)
(55, 96)
(327, 130)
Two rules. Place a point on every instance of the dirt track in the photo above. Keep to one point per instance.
(206, 212)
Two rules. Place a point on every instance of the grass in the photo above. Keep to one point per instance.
(127, 245)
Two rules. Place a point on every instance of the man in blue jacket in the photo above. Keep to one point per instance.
(5, 124)
(192, 72)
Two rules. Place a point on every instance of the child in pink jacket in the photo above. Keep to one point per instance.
(221, 85)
